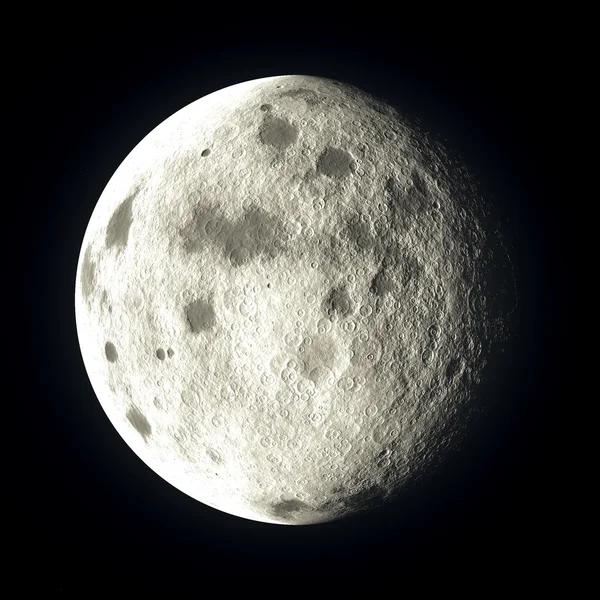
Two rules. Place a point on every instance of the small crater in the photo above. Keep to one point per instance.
(426, 356)
(278, 132)
(205, 153)
(139, 422)
(335, 163)
(287, 509)
(111, 352)
(200, 316)
(117, 232)
(160, 354)
(214, 456)
(433, 331)
(88, 274)
(265, 107)
(170, 353)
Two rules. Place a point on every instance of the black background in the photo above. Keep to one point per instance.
(87, 505)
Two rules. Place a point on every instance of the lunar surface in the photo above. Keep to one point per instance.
(286, 298)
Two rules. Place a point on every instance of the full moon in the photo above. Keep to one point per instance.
(287, 297)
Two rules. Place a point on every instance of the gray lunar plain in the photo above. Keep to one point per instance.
(286, 297)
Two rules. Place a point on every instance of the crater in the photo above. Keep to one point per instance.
(335, 163)
(214, 456)
(321, 358)
(104, 301)
(405, 204)
(358, 232)
(453, 368)
(322, 376)
(117, 231)
(400, 270)
(369, 497)
(419, 183)
(139, 422)
(337, 302)
(288, 509)
(382, 283)
(381, 108)
(160, 354)
(200, 316)
(309, 96)
(88, 274)
(278, 132)
(111, 352)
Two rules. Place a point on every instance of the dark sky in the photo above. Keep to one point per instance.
(92, 507)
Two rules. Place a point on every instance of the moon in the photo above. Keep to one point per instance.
(286, 299)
